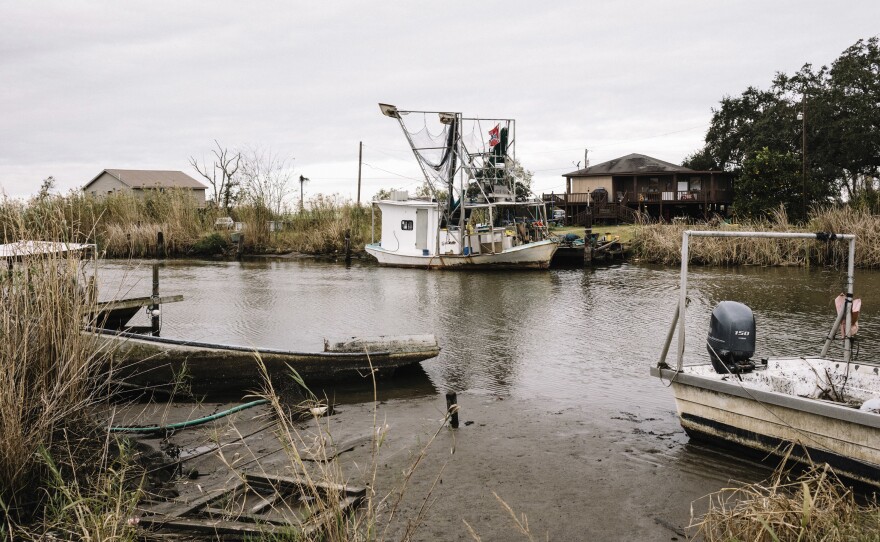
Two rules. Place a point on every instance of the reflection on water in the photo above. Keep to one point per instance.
(578, 340)
(573, 336)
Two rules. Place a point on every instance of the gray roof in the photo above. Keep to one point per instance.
(149, 178)
(631, 164)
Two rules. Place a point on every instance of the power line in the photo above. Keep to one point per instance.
(624, 141)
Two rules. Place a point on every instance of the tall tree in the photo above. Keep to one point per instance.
(854, 93)
(836, 139)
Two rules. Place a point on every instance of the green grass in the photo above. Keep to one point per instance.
(625, 232)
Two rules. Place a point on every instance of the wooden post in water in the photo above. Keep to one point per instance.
(154, 304)
(588, 245)
(160, 245)
(452, 409)
(347, 246)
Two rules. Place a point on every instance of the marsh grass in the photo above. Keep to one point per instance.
(661, 243)
(55, 463)
(814, 506)
(124, 225)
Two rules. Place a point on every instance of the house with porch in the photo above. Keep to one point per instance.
(614, 191)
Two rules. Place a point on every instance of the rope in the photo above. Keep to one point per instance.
(189, 423)
(767, 408)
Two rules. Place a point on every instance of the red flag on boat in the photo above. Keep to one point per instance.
(494, 136)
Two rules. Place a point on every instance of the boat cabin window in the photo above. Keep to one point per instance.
(406, 224)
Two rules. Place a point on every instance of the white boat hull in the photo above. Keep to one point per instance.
(752, 414)
(529, 256)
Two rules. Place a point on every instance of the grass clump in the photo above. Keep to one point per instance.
(816, 506)
(54, 460)
(213, 243)
(125, 225)
(661, 243)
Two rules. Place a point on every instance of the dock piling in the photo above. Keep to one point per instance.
(160, 245)
(452, 409)
(347, 246)
(154, 304)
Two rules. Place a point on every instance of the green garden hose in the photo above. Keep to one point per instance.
(189, 423)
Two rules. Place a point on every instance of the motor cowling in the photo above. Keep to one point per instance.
(731, 342)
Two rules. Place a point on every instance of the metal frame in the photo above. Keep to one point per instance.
(679, 319)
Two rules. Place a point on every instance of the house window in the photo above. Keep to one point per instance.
(406, 225)
(696, 184)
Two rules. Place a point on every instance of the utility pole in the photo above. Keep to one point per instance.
(360, 162)
(802, 116)
(586, 160)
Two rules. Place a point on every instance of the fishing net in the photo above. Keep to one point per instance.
(478, 149)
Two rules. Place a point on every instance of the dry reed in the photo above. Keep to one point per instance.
(125, 225)
(306, 438)
(812, 507)
(661, 243)
(50, 374)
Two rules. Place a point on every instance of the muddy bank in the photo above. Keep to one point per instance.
(576, 475)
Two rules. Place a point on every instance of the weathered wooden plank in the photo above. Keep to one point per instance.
(212, 526)
(178, 508)
(288, 483)
(135, 302)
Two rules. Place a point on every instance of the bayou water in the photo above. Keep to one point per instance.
(550, 368)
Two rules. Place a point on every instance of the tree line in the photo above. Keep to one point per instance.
(811, 138)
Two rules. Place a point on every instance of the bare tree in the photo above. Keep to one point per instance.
(266, 179)
(222, 175)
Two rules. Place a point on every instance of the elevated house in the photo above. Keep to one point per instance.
(140, 181)
(614, 191)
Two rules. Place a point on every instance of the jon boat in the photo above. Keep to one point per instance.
(144, 361)
(828, 408)
(477, 213)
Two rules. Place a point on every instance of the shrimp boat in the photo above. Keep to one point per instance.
(477, 211)
(829, 409)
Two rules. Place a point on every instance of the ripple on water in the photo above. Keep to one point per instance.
(575, 335)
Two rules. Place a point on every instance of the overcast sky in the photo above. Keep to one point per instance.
(146, 85)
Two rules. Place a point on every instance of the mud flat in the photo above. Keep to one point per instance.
(576, 475)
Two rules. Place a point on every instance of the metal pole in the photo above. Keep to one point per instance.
(360, 163)
(847, 306)
(682, 299)
(804, 154)
(669, 337)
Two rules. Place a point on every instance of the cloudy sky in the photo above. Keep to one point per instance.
(146, 85)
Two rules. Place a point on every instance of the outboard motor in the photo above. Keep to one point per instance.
(731, 341)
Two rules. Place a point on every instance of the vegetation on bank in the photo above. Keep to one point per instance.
(125, 225)
(810, 139)
(661, 243)
(59, 473)
(813, 506)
